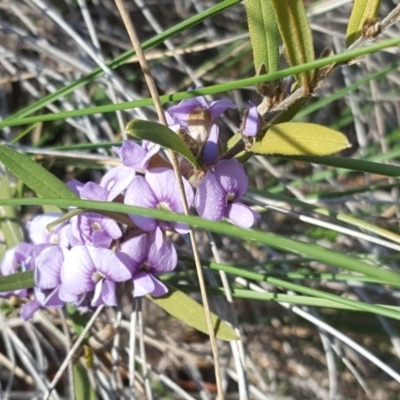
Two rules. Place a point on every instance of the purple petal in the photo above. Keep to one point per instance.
(151, 149)
(232, 177)
(241, 215)
(48, 268)
(217, 108)
(252, 124)
(181, 111)
(140, 194)
(163, 259)
(136, 249)
(104, 293)
(132, 155)
(38, 232)
(117, 180)
(75, 186)
(210, 200)
(51, 300)
(210, 153)
(108, 264)
(77, 271)
(93, 191)
(28, 309)
(142, 284)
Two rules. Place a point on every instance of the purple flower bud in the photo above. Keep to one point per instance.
(218, 193)
(252, 123)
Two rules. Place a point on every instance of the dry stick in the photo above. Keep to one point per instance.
(72, 352)
(160, 112)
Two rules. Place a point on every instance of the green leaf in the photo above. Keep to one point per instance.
(21, 280)
(83, 390)
(162, 135)
(9, 225)
(37, 178)
(362, 12)
(264, 35)
(300, 138)
(183, 307)
(297, 38)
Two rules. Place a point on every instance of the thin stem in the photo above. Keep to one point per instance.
(160, 112)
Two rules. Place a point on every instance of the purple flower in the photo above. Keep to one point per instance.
(39, 234)
(135, 156)
(252, 123)
(146, 260)
(93, 229)
(218, 192)
(86, 269)
(47, 260)
(196, 116)
(158, 189)
(17, 259)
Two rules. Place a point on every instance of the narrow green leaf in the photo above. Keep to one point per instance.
(83, 390)
(363, 11)
(9, 225)
(300, 138)
(183, 307)
(350, 164)
(296, 34)
(37, 178)
(264, 35)
(318, 253)
(162, 135)
(21, 280)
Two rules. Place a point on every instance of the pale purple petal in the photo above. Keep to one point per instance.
(93, 191)
(140, 194)
(104, 293)
(117, 180)
(252, 124)
(136, 249)
(145, 283)
(210, 200)
(38, 232)
(217, 108)
(151, 149)
(142, 284)
(75, 186)
(181, 111)
(108, 264)
(232, 177)
(28, 309)
(241, 215)
(77, 271)
(210, 154)
(48, 267)
(51, 299)
(162, 259)
(132, 154)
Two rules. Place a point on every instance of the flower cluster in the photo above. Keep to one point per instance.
(84, 259)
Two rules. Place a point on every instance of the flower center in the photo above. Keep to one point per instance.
(53, 238)
(97, 276)
(230, 197)
(96, 226)
(163, 205)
